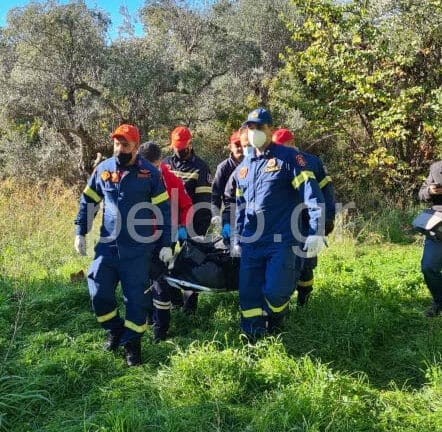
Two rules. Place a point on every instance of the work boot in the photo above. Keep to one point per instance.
(132, 350)
(303, 296)
(190, 302)
(275, 324)
(159, 335)
(248, 338)
(113, 339)
(434, 310)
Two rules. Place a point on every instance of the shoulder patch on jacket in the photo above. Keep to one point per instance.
(300, 160)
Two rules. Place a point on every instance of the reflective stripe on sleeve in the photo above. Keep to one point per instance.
(89, 192)
(306, 283)
(108, 316)
(325, 181)
(160, 198)
(301, 178)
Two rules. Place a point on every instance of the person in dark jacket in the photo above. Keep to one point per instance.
(431, 191)
(181, 213)
(222, 174)
(229, 200)
(196, 177)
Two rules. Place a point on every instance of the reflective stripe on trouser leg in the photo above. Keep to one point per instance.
(251, 285)
(162, 305)
(134, 273)
(306, 280)
(281, 274)
(431, 266)
(102, 281)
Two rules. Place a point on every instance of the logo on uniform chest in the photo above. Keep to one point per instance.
(144, 173)
(243, 173)
(272, 166)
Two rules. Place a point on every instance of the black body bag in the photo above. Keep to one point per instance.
(208, 264)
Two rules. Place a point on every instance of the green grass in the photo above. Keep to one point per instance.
(361, 357)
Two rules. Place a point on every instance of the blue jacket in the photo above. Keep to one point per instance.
(121, 190)
(315, 164)
(269, 188)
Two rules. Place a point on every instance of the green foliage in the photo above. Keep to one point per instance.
(369, 78)
(358, 81)
(361, 357)
(204, 67)
(52, 58)
(18, 398)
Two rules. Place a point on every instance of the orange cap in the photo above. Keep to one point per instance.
(235, 138)
(180, 137)
(127, 131)
(281, 136)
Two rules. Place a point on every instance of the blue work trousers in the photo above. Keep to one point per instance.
(103, 276)
(432, 268)
(268, 274)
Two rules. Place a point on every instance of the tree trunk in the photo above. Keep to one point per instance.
(87, 153)
(87, 149)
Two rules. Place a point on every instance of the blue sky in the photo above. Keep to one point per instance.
(110, 6)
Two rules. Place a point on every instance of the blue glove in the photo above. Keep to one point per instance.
(182, 234)
(226, 231)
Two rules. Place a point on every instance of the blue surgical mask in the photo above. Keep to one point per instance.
(248, 151)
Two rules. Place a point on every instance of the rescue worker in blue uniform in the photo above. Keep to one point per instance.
(136, 218)
(222, 174)
(196, 177)
(314, 164)
(272, 188)
(431, 191)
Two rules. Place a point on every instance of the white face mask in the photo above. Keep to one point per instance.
(256, 138)
(248, 151)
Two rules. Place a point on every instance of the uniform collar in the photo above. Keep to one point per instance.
(234, 161)
(138, 163)
(268, 152)
(190, 160)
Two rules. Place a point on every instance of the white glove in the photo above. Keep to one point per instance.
(314, 245)
(80, 244)
(216, 220)
(235, 252)
(166, 254)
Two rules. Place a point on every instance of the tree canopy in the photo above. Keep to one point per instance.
(359, 82)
